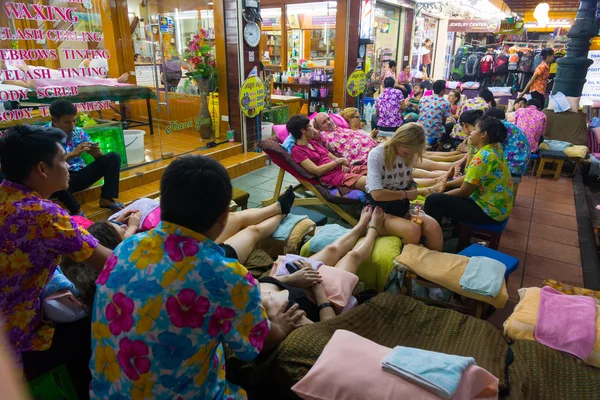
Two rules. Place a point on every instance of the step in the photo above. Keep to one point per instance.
(138, 176)
(236, 166)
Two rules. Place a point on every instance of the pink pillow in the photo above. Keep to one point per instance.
(82, 221)
(332, 377)
(151, 220)
(281, 132)
(339, 121)
(338, 284)
(312, 116)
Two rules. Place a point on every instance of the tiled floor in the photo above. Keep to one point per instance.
(542, 233)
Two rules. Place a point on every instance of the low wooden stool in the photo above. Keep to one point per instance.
(240, 197)
(551, 156)
(490, 233)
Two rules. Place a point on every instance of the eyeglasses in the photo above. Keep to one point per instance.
(356, 116)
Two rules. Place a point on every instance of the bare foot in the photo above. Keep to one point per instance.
(451, 173)
(377, 219)
(437, 188)
(460, 162)
(365, 217)
(123, 78)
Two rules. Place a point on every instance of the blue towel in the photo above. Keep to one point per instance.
(437, 372)
(286, 225)
(595, 123)
(325, 236)
(288, 143)
(557, 145)
(483, 276)
(57, 282)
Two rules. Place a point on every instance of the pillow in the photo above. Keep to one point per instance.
(82, 221)
(338, 284)
(375, 270)
(339, 121)
(281, 132)
(333, 376)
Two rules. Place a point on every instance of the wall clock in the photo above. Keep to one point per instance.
(252, 34)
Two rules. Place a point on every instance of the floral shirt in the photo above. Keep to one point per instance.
(166, 301)
(389, 109)
(78, 136)
(34, 234)
(472, 104)
(516, 149)
(543, 73)
(489, 172)
(346, 143)
(402, 78)
(432, 111)
(533, 124)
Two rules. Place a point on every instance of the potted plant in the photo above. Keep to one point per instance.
(203, 71)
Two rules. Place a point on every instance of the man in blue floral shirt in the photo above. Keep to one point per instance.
(433, 111)
(107, 166)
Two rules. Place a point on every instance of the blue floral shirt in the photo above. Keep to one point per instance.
(516, 149)
(78, 136)
(432, 111)
(166, 300)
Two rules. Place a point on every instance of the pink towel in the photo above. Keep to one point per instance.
(566, 323)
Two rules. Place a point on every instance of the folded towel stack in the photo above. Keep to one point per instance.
(483, 276)
(286, 225)
(325, 236)
(437, 372)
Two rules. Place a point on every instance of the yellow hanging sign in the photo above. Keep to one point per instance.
(356, 83)
(252, 95)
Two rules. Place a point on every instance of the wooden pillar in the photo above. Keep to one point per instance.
(117, 38)
(352, 50)
(252, 124)
(408, 37)
(230, 8)
(341, 48)
(221, 58)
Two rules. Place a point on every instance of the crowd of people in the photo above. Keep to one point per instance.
(158, 289)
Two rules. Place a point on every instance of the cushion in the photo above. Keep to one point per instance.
(339, 120)
(445, 269)
(281, 132)
(292, 244)
(553, 154)
(476, 250)
(521, 324)
(338, 284)
(376, 269)
(574, 290)
(332, 378)
(284, 160)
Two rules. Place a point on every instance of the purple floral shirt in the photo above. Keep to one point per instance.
(34, 234)
(432, 111)
(165, 302)
(389, 109)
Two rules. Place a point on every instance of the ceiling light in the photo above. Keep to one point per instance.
(541, 14)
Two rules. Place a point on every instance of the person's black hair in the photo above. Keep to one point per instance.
(546, 52)
(24, 146)
(439, 86)
(195, 192)
(534, 102)
(470, 117)
(417, 84)
(136, 55)
(60, 108)
(426, 85)
(389, 82)
(295, 125)
(392, 64)
(106, 233)
(404, 92)
(496, 112)
(521, 100)
(487, 96)
(495, 129)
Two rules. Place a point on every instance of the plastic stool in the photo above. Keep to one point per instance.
(54, 385)
(316, 217)
(489, 232)
(535, 158)
(477, 250)
(551, 157)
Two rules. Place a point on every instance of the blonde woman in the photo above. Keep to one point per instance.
(352, 116)
(390, 185)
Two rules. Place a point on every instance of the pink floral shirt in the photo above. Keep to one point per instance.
(166, 301)
(346, 143)
(533, 124)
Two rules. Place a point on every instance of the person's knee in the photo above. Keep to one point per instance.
(413, 235)
(253, 232)
(432, 202)
(113, 158)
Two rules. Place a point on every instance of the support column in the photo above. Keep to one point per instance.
(572, 68)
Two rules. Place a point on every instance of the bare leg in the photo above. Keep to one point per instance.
(409, 232)
(443, 153)
(246, 240)
(455, 184)
(432, 233)
(430, 165)
(331, 254)
(361, 183)
(439, 187)
(430, 181)
(444, 158)
(424, 174)
(241, 219)
(351, 261)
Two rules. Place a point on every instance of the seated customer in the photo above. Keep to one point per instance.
(483, 101)
(352, 117)
(332, 171)
(411, 113)
(433, 111)
(389, 106)
(485, 195)
(532, 122)
(390, 185)
(169, 298)
(77, 142)
(34, 234)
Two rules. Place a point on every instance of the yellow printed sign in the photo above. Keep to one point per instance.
(356, 83)
(252, 96)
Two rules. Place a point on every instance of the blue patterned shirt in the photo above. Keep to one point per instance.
(78, 136)
(432, 111)
(516, 149)
(166, 301)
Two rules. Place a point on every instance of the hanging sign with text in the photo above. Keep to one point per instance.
(252, 95)
(473, 25)
(591, 90)
(356, 83)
